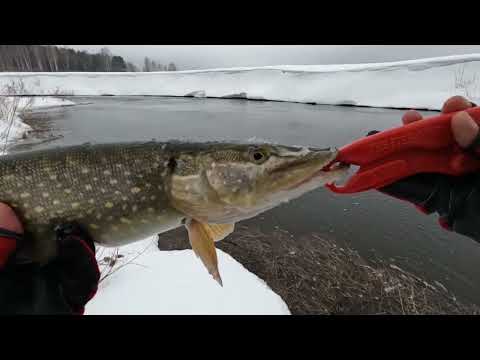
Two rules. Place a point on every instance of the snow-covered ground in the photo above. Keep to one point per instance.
(11, 125)
(422, 83)
(49, 102)
(176, 282)
(12, 129)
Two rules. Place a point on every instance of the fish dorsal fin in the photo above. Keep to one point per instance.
(202, 237)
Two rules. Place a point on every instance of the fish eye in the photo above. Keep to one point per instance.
(258, 156)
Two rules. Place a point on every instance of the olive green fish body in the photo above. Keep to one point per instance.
(117, 191)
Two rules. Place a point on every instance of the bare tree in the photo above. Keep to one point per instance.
(466, 84)
(147, 65)
(131, 67)
(12, 104)
(107, 55)
(53, 58)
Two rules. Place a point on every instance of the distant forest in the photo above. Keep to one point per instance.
(45, 58)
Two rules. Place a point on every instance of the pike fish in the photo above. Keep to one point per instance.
(125, 192)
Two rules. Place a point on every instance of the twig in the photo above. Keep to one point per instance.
(112, 270)
(9, 106)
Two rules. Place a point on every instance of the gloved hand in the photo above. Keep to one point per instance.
(76, 265)
(455, 199)
(11, 234)
(63, 286)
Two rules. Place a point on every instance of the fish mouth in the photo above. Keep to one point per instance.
(330, 172)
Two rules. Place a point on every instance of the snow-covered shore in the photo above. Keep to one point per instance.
(13, 129)
(422, 83)
(41, 103)
(11, 125)
(176, 283)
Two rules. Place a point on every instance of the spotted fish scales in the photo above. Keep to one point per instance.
(111, 189)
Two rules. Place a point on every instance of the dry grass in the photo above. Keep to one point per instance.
(315, 276)
(466, 84)
(110, 260)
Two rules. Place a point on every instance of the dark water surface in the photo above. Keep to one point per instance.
(369, 222)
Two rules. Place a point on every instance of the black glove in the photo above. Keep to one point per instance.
(63, 286)
(456, 199)
(76, 265)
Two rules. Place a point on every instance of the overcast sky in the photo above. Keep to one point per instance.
(201, 56)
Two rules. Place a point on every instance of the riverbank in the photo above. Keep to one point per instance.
(315, 276)
(419, 84)
(14, 110)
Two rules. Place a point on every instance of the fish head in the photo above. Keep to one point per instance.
(230, 183)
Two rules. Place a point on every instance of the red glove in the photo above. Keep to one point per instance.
(11, 233)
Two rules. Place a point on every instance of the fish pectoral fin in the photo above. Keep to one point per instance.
(219, 231)
(202, 239)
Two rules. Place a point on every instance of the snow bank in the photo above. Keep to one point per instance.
(49, 102)
(11, 125)
(13, 129)
(176, 282)
(423, 83)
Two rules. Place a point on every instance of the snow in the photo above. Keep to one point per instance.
(175, 282)
(421, 83)
(49, 102)
(13, 129)
(11, 125)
